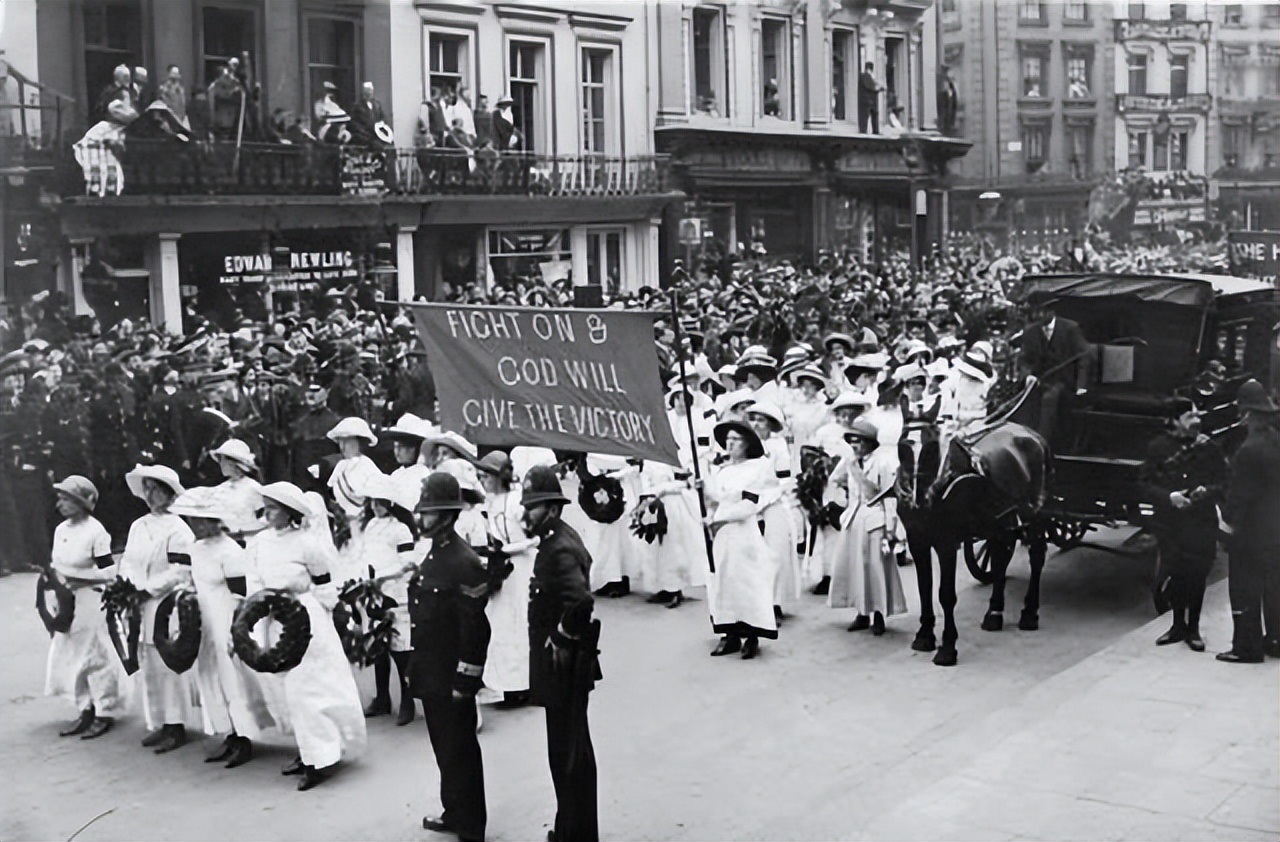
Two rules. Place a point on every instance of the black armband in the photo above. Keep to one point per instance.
(751, 497)
(237, 585)
(180, 558)
(103, 561)
(404, 548)
(322, 579)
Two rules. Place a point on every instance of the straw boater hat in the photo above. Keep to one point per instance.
(159, 473)
(770, 411)
(760, 364)
(755, 449)
(238, 452)
(810, 372)
(352, 428)
(288, 495)
(80, 489)
(976, 366)
(450, 439)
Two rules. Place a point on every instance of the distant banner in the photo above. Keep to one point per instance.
(1255, 254)
(584, 380)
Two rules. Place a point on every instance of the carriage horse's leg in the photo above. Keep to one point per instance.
(922, 554)
(946, 655)
(1001, 548)
(1037, 549)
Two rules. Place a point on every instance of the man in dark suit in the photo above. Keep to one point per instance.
(365, 118)
(562, 657)
(506, 137)
(1253, 573)
(1054, 355)
(450, 638)
(868, 100)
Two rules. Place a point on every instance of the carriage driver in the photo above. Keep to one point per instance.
(1054, 355)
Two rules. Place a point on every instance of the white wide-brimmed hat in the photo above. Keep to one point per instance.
(409, 426)
(398, 493)
(159, 473)
(237, 451)
(352, 428)
(205, 502)
(450, 439)
(851, 400)
(974, 365)
(910, 371)
(810, 372)
(941, 367)
(768, 410)
(288, 495)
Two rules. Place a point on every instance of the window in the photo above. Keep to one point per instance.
(331, 57)
(1177, 11)
(1269, 60)
(1137, 73)
(226, 33)
(1031, 10)
(1077, 10)
(843, 71)
(526, 60)
(597, 104)
(1137, 149)
(709, 63)
(1235, 61)
(1081, 140)
(448, 61)
(1270, 15)
(112, 36)
(604, 259)
(1035, 145)
(1233, 14)
(1079, 72)
(1137, 11)
(1234, 143)
(775, 68)
(1160, 147)
(1178, 143)
(948, 6)
(1178, 67)
(520, 253)
(893, 72)
(1033, 73)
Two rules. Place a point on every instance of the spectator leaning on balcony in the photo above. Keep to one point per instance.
(332, 119)
(368, 122)
(119, 93)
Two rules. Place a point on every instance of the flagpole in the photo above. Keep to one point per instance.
(688, 412)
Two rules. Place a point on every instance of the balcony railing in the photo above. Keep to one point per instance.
(1148, 103)
(436, 172)
(1162, 30)
(166, 167)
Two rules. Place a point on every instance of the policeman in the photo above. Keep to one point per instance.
(1253, 574)
(562, 658)
(1184, 477)
(450, 635)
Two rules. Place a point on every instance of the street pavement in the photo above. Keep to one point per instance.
(1082, 730)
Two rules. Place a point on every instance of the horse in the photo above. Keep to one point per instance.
(989, 486)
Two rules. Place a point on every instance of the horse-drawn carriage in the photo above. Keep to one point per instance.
(1152, 339)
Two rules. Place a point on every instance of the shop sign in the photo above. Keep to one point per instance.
(364, 173)
(305, 267)
(1254, 254)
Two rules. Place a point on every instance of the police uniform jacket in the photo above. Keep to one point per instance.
(450, 632)
(1254, 499)
(560, 606)
(1174, 464)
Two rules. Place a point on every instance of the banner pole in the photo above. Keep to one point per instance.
(688, 417)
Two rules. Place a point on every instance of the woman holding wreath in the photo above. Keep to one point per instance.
(740, 591)
(324, 704)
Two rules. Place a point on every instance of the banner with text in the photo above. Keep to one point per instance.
(584, 380)
(1255, 254)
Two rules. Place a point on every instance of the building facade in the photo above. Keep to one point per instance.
(261, 216)
(1244, 139)
(775, 140)
(1035, 82)
(1163, 106)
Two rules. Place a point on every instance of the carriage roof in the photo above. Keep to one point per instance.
(1190, 290)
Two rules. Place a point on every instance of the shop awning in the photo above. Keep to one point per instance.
(512, 210)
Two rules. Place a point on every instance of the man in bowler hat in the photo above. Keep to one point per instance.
(562, 658)
(1253, 550)
(450, 636)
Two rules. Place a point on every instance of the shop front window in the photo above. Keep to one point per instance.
(526, 255)
(604, 259)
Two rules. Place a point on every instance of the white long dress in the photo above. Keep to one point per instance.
(677, 560)
(166, 696)
(82, 666)
(231, 694)
(863, 576)
(740, 592)
(324, 703)
(387, 548)
(613, 548)
(506, 670)
(779, 512)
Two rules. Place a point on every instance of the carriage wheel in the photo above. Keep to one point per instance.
(1067, 534)
(977, 557)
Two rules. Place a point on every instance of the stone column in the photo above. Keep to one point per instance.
(406, 279)
(165, 292)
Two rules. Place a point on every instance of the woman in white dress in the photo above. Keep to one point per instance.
(506, 671)
(678, 559)
(390, 556)
(82, 666)
(613, 547)
(864, 574)
(241, 491)
(157, 559)
(406, 438)
(779, 509)
(232, 700)
(740, 591)
(324, 703)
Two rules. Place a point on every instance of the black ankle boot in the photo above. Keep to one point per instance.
(80, 725)
(241, 754)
